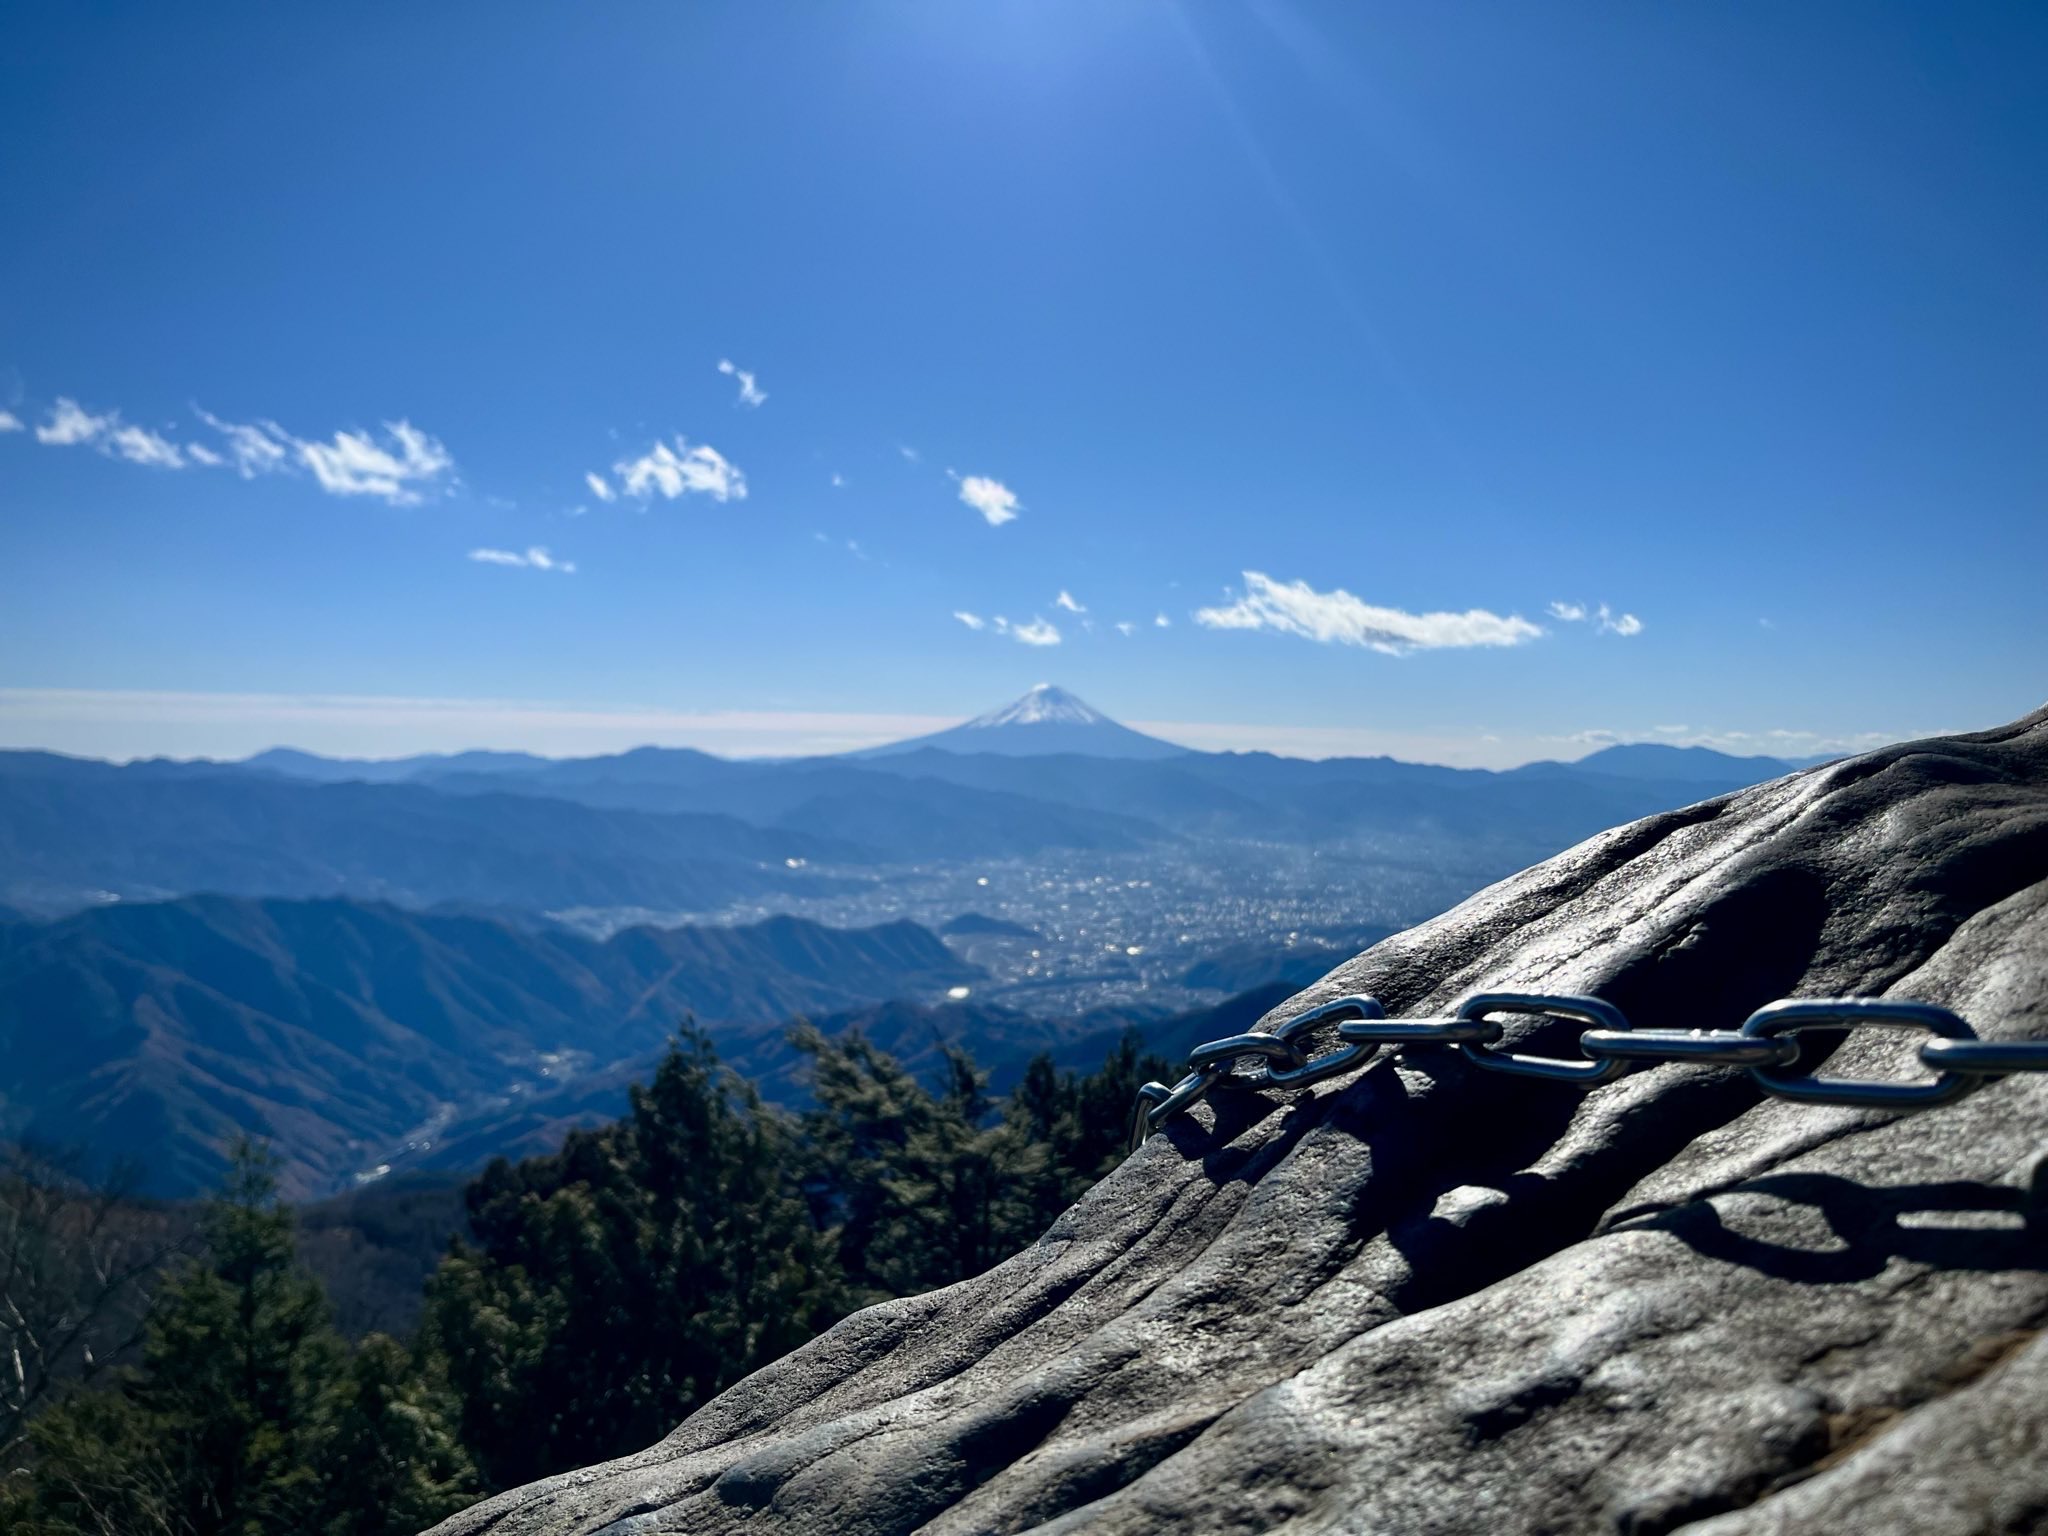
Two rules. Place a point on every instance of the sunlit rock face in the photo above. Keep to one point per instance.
(1427, 1298)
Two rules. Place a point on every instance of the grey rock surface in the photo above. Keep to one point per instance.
(1424, 1298)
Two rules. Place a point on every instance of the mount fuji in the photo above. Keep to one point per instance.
(1045, 721)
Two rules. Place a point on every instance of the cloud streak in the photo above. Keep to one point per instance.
(680, 471)
(398, 470)
(533, 558)
(402, 466)
(1338, 618)
(751, 394)
(1605, 620)
(1036, 632)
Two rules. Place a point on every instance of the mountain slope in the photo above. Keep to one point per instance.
(340, 1029)
(1046, 720)
(140, 833)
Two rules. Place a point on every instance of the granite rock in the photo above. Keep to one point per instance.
(1425, 1298)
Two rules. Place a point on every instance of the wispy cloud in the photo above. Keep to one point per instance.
(71, 424)
(533, 558)
(996, 502)
(681, 471)
(1336, 617)
(254, 448)
(910, 454)
(1036, 632)
(1066, 600)
(139, 445)
(397, 470)
(1161, 621)
(402, 467)
(750, 392)
(838, 480)
(9, 422)
(1604, 618)
(971, 620)
(1125, 628)
(600, 487)
(200, 454)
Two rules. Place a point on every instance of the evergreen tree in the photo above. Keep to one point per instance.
(642, 1269)
(389, 1461)
(241, 1418)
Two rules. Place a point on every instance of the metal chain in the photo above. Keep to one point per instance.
(1767, 1046)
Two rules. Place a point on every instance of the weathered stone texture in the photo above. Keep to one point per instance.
(1424, 1298)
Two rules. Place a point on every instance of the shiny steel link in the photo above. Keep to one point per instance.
(1702, 1047)
(1767, 1044)
(1330, 1063)
(1231, 1047)
(1212, 1062)
(1793, 1018)
(1985, 1058)
(1400, 1032)
(1156, 1101)
(1590, 1011)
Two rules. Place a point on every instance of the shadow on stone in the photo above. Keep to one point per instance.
(1871, 1226)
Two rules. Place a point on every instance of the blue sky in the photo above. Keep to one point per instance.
(1356, 343)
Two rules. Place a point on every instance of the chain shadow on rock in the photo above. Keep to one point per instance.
(1871, 1223)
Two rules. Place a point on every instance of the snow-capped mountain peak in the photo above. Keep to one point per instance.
(1044, 721)
(1045, 704)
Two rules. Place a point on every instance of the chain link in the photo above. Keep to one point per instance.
(1767, 1046)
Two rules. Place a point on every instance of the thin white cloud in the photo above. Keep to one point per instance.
(1125, 628)
(139, 445)
(71, 424)
(256, 448)
(681, 471)
(1161, 621)
(750, 392)
(1037, 632)
(996, 502)
(1604, 618)
(1336, 617)
(9, 422)
(909, 453)
(533, 558)
(1066, 600)
(1612, 623)
(397, 471)
(199, 453)
(971, 620)
(402, 467)
(600, 487)
(837, 480)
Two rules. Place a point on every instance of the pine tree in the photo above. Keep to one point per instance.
(242, 1417)
(389, 1460)
(636, 1273)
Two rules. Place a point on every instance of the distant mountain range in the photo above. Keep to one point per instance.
(342, 1030)
(355, 959)
(680, 830)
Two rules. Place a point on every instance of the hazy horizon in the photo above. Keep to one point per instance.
(130, 727)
